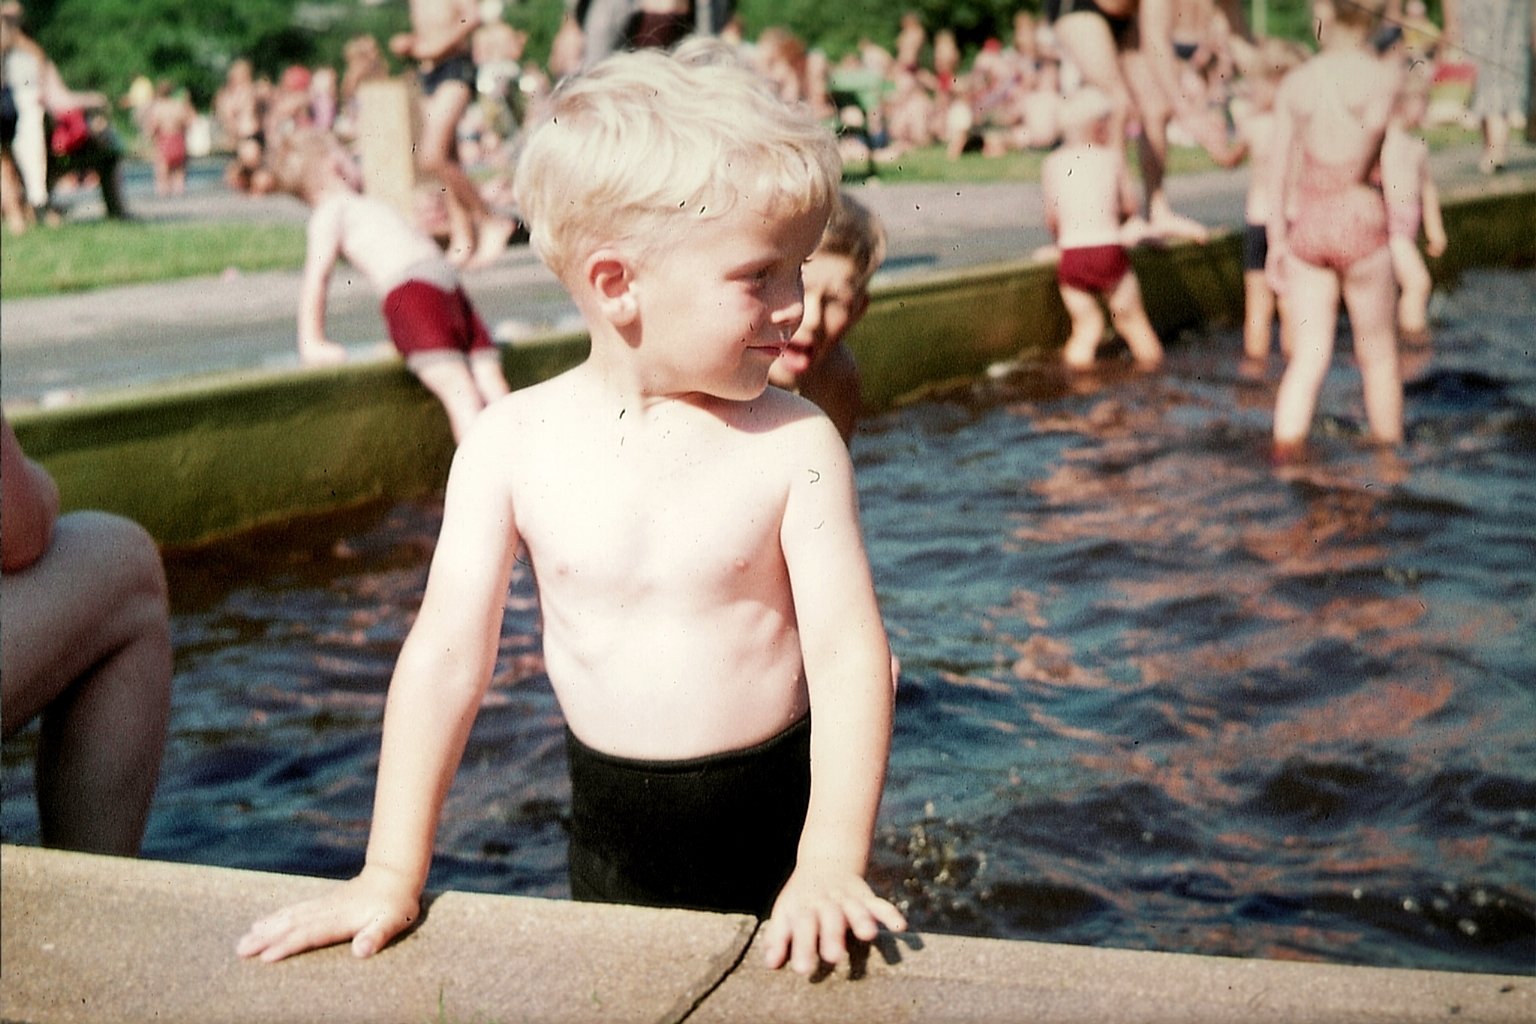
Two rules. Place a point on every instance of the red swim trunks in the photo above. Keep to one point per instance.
(1093, 268)
(424, 318)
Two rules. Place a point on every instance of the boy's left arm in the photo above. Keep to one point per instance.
(848, 672)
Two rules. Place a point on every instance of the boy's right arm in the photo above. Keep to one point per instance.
(322, 250)
(438, 684)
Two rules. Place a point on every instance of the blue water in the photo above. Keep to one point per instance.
(1155, 693)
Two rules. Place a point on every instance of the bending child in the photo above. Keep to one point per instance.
(1090, 206)
(429, 315)
(1328, 225)
(710, 625)
(816, 363)
(1412, 202)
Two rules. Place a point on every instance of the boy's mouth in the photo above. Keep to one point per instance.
(795, 358)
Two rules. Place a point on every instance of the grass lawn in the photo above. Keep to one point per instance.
(101, 254)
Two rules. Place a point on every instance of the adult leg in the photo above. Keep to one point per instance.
(490, 233)
(86, 645)
(1087, 327)
(490, 381)
(1085, 39)
(1155, 111)
(1129, 316)
(1311, 313)
(448, 377)
(30, 151)
(1370, 295)
(18, 215)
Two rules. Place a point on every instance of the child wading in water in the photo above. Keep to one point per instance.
(709, 619)
(1270, 63)
(1328, 225)
(444, 341)
(1412, 201)
(816, 364)
(1090, 206)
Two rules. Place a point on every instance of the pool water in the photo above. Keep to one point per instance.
(1155, 693)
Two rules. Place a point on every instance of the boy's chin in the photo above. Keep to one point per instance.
(792, 362)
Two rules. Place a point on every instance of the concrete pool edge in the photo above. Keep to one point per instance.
(90, 938)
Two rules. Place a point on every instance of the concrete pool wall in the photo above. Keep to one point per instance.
(99, 939)
(215, 455)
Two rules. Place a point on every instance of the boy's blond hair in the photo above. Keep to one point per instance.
(1088, 105)
(854, 231)
(297, 161)
(641, 145)
(1274, 58)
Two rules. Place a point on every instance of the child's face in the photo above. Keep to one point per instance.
(834, 302)
(718, 308)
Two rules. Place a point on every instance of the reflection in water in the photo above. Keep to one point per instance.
(1155, 693)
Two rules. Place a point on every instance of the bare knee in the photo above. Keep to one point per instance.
(129, 555)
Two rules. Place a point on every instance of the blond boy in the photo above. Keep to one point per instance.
(816, 363)
(694, 534)
(430, 318)
(1090, 206)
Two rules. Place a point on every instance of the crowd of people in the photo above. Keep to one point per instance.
(702, 623)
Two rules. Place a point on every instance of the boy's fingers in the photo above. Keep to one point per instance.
(776, 943)
(886, 913)
(804, 957)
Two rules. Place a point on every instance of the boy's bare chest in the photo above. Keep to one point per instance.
(649, 517)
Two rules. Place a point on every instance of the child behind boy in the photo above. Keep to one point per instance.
(1271, 61)
(709, 619)
(1328, 224)
(816, 364)
(1412, 202)
(430, 318)
(1090, 206)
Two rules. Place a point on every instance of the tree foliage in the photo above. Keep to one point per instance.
(105, 44)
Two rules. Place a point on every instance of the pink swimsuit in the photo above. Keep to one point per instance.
(1339, 220)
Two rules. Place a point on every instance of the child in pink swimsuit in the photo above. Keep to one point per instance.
(1332, 113)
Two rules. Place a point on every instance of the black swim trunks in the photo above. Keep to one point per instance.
(456, 67)
(1255, 246)
(1121, 27)
(711, 833)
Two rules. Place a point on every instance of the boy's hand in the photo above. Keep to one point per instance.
(1434, 244)
(370, 910)
(323, 352)
(814, 914)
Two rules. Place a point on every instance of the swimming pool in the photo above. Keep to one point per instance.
(1156, 694)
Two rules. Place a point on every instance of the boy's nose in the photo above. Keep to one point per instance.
(810, 316)
(789, 308)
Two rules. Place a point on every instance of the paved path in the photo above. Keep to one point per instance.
(62, 346)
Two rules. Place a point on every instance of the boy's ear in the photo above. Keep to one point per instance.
(610, 276)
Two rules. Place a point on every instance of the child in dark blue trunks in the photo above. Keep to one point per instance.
(710, 625)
